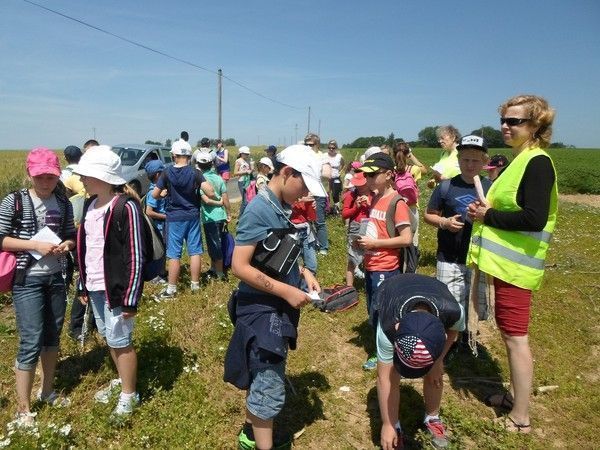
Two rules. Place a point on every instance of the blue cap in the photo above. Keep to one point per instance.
(271, 148)
(418, 343)
(153, 167)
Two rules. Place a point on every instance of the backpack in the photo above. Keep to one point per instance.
(8, 260)
(227, 245)
(337, 298)
(251, 191)
(153, 244)
(407, 187)
(410, 254)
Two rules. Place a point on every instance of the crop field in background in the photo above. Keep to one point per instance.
(181, 346)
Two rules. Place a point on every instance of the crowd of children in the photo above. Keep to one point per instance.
(379, 205)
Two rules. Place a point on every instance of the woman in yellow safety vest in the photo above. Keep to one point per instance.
(510, 239)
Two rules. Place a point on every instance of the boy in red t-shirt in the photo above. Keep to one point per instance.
(382, 258)
(356, 206)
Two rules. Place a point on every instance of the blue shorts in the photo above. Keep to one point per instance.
(212, 234)
(111, 324)
(372, 282)
(188, 231)
(266, 395)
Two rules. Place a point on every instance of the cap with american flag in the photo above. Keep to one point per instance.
(418, 343)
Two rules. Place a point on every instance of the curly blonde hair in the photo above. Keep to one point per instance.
(541, 116)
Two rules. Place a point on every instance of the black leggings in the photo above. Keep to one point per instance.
(335, 189)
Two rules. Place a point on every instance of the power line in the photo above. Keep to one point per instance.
(166, 55)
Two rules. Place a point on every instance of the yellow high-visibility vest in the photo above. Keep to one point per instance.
(516, 257)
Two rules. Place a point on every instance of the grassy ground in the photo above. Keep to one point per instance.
(185, 404)
(181, 346)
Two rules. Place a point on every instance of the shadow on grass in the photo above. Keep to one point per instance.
(478, 376)
(365, 337)
(161, 365)
(304, 406)
(72, 369)
(411, 415)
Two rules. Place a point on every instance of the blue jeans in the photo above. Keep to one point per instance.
(242, 188)
(320, 224)
(373, 281)
(40, 305)
(309, 255)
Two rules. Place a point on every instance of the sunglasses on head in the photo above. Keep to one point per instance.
(513, 121)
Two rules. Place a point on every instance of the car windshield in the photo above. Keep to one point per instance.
(129, 156)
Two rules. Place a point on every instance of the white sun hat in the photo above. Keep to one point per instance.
(102, 163)
(267, 162)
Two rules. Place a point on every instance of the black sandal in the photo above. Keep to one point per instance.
(505, 402)
(515, 427)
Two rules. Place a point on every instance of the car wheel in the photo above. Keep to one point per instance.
(136, 186)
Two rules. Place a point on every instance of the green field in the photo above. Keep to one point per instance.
(181, 346)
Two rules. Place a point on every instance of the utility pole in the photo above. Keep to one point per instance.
(319, 129)
(308, 131)
(219, 96)
(94, 130)
(296, 129)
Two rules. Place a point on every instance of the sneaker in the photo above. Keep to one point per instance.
(371, 363)
(53, 399)
(23, 420)
(323, 252)
(166, 295)
(125, 406)
(246, 443)
(359, 274)
(437, 431)
(104, 395)
(158, 280)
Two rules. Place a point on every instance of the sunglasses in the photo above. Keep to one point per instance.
(310, 144)
(513, 121)
(372, 174)
(331, 148)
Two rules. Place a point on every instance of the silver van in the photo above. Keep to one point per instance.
(133, 160)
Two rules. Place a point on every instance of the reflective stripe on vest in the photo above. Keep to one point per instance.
(516, 257)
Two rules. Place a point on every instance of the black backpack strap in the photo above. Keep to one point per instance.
(444, 189)
(17, 218)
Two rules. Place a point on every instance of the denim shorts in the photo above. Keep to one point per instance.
(266, 395)
(372, 282)
(188, 231)
(40, 305)
(110, 322)
(212, 233)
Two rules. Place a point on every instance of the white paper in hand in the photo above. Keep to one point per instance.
(314, 295)
(44, 235)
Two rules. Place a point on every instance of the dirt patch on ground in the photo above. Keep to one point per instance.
(582, 199)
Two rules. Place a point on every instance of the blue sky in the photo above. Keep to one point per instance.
(365, 68)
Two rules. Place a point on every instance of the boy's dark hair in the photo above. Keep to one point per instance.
(90, 143)
(185, 136)
(278, 166)
(204, 166)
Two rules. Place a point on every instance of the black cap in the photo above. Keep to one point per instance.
(497, 162)
(376, 162)
(204, 142)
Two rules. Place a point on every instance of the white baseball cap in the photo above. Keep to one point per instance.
(267, 162)
(204, 157)
(181, 148)
(303, 159)
(244, 149)
(102, 163)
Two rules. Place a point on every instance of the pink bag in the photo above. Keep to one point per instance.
(8, 265)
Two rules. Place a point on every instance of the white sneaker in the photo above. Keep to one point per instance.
(323, 252)
(24, 420)
(125, 406)
(53, 399)
(104, 395)
(359, 274)
(194, 288)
